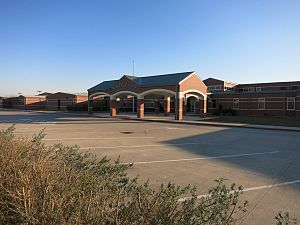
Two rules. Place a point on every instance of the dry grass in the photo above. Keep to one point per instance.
(60, 185)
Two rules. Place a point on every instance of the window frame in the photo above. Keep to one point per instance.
(261, 100)
(214, 87)
(258, 89)
(236, 101)
(288, 101)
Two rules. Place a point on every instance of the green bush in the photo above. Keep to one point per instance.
(82, 106)
(224, 112)
(60, 185)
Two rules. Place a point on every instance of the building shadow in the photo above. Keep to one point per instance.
(27, 117)
(273, 154)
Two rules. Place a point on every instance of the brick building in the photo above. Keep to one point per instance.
(61, 100)
(178, 92)
(275, 99)
(24, 102)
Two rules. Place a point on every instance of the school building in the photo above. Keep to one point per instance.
(45, 101)
(186, 93)
(61, 101)
(24, 102)
(1, 102)
(169, 93)
(268, 99)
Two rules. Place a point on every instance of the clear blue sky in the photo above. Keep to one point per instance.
(71, 45)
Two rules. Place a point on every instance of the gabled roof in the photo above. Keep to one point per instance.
(44, 94)
(130, 77)
(156, 80)
(165, 79)
(211, 78)
(104, 85)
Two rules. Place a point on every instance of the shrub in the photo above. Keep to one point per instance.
(60, 185)
(225, 112)
(283, 218)
(82, 106)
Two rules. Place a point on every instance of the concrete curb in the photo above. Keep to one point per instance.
(197, 123)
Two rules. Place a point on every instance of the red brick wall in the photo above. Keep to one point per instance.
(60, 101)
(34, 103)
(193, 82)
(80, 98)
(275, 103)
(137, 90)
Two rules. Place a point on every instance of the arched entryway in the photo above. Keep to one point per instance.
(124, 102)
(191, 105)
(156, 101)
(99, 101)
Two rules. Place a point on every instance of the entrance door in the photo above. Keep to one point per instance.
(191, 105)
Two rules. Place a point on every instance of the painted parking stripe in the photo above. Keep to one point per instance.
(96, 138)
(251, 189)
(174, 128)
(204, 158)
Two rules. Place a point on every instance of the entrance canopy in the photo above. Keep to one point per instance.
(177, 85)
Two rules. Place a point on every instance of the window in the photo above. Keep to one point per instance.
(251, 89)
(218, 87)
(290, 103)
(215, 87)
(258, 89)
(261, 103)
(211, 88)
(236, 103)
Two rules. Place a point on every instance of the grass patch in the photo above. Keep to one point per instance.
(259, 120)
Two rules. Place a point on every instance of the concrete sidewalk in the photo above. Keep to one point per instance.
(217, 124)
(189, 120)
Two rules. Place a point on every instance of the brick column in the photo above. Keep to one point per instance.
(167, 107)
(184, 105)
(140, 108)
(156, 106)
(179, 108)
(203, 106)
(113, 108)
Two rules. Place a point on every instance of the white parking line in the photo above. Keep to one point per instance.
(24, 120)
(251, 189)
(174, 128)
(45, 122)
(96, 138)
(204, 158)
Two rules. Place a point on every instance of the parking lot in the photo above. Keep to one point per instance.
(265, 162)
